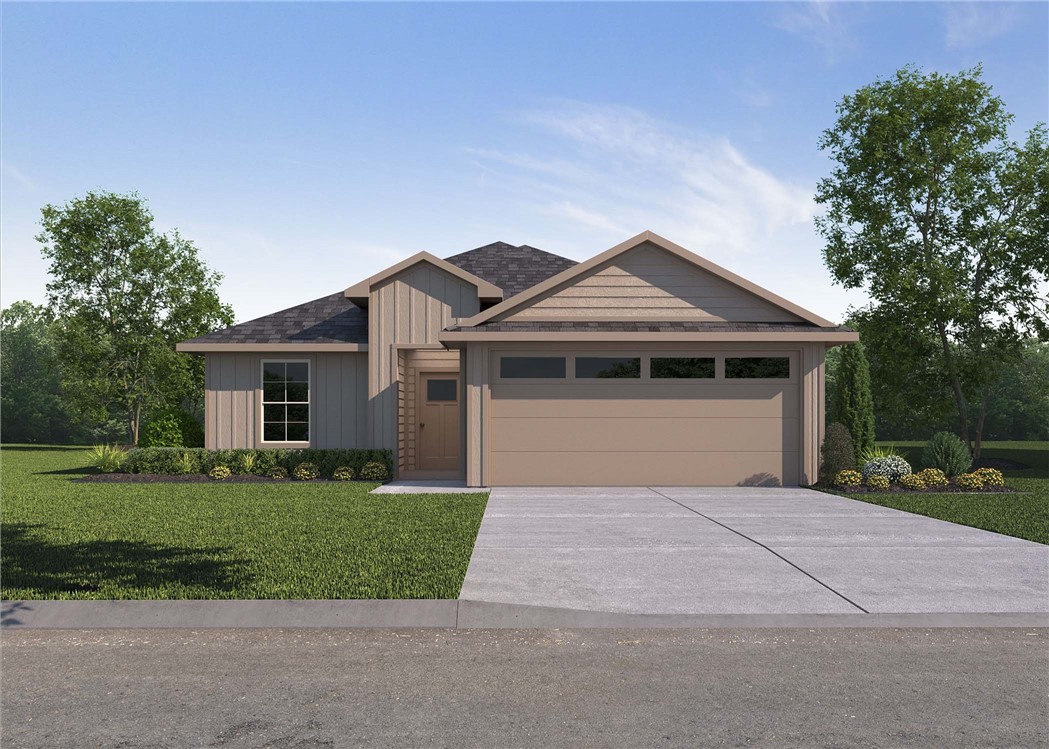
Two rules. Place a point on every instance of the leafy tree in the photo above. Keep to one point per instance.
(124, 295)
(853, 406)
(1019, 405)
(945, 221)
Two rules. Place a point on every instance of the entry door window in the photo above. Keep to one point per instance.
(441, 390)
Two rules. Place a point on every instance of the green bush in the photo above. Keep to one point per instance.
(374, 471)
(306, 471)
(948, 453)
(343, 473)
(893, 468)
(837, 453)
(171, 461)
(278, 473)
(182, 460)
(220, 473)
(108, 458)
(877, 482)
(172, 427)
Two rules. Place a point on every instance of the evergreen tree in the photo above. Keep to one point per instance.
(853, 405)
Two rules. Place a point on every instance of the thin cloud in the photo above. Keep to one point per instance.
(820, 22)
(972, 24)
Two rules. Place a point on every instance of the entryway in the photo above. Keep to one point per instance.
(438, 442)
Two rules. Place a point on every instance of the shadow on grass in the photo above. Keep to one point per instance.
(80, 471)
(51, 569)
(41, 448)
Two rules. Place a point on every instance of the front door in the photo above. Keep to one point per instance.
(439, 422)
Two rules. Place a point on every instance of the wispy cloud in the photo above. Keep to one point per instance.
(821, 22)
(10, 170)
(971, 24)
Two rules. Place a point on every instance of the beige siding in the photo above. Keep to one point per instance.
(409, 308)
(417, 362)
(649, 283)
(233, 399)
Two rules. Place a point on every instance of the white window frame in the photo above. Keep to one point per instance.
(263, 403)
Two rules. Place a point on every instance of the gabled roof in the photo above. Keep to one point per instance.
(513, 269)
(486, 291)
(577, 271)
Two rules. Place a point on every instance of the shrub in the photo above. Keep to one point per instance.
(108, 458)
(877, 482)
(249, 460)
(948, 453)
(163, 430)
(342, 473)
(278, 473)
(306, 471)
(912, 481)
(172, 461)
(933, 477)
(892, 468)
(878, 451)
(990, 476)
(220, 473)
(851, 401)
(969, 481)
(848, 477)
(175, 460)
(837, 452)
(374, 471)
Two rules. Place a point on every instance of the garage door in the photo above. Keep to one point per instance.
(621, 419)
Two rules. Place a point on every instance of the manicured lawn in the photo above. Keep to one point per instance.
(1023, 515)
(62, 539)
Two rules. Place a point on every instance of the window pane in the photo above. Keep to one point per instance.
(273, 393)
(682, 368)
(757, 367)
(608, 366)
(273, 413)
(298, 392)
(273, 371)
(299, 413)
(298, 432)
(441, 390)
(540, 367)
(273, 432)
(298, 371)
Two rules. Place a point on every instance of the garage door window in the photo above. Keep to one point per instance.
(682, 368)
(757, 367)
(608, 367)
(532, 367)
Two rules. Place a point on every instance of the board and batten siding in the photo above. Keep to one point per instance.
(338, 399)
(648, 283)
(412, 307)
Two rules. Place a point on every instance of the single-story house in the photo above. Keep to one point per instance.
(645, 365)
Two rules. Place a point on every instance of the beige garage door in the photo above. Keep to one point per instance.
(623, 419)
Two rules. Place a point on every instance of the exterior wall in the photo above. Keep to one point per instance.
(409, 308)
(233, 400)
(649, 283)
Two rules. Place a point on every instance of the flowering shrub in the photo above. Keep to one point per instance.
(892, 467)
(990, 476)
(969, 481)
(877, 482)
(912, 481)
(220, 473)
(374, 471)
(279, 473)
(342, 473)
(306, 471)
(932, 477)
(848, 477)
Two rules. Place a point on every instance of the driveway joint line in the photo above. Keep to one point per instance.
(771, 551)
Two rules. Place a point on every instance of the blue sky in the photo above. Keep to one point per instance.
(304, 147)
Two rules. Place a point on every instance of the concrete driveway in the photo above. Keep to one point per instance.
(742, 551)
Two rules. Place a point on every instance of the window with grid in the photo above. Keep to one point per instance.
(285, 401)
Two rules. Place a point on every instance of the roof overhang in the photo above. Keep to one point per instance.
(486, 291)
(188, 347)
(455, 339)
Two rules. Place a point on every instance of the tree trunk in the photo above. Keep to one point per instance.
(956, 386)
(978, 436)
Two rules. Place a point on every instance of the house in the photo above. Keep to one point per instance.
(645, 365)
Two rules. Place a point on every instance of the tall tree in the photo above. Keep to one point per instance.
(853, 406)
(944, 220)
(124, 295)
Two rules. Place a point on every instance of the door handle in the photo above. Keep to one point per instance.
(421, 425)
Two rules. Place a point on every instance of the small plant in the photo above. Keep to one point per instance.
(837, 451)
(306, 471)
(970, 481)
(933, 477)
(876, 452)
(343, 473)
(220, 473)
(877, 482)
(374, 471)
(848, 477)
(249, 461)
(948, 453)
(892, 468)
(186, 464)
(278, 473)
(108, 458)
(990, 476)
(913, 482)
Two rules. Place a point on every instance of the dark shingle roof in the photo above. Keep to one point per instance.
(512, 269)
(673, 326)
(330, 319)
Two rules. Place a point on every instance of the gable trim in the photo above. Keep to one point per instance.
(522, 300)
(487, 292)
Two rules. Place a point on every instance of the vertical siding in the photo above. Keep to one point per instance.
(812, 407)
(474, 424)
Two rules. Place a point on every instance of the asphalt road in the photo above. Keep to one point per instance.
(301, 689)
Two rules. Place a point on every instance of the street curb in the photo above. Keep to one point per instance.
(22, 615)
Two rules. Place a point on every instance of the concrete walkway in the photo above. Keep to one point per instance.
(742, 551)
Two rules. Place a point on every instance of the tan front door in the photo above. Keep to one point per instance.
(439, 422)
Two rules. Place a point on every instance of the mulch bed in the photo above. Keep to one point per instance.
(191, 478)
(949, 489)
(1002, 464)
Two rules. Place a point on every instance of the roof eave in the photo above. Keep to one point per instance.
(192, 347)
(830, 337)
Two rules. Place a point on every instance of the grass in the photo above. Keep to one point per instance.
(1024, 515)
(62, 539)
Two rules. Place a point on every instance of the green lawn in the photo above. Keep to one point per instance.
(1023, 515)
(62, 539)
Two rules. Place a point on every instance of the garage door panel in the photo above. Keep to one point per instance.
(644, 435)
(649, 469)
(700, 405)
